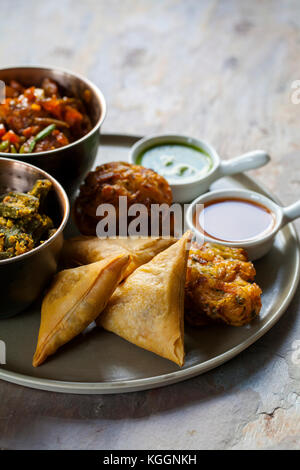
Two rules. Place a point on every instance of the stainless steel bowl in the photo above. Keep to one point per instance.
(69, 164)
(23, 277)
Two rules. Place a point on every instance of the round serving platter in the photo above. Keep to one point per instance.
(100, 362)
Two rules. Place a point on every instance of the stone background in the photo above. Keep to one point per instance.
(219, 70)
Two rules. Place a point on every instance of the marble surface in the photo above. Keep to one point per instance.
(219, 70)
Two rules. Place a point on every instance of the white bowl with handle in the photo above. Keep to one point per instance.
(259, 245)
(195, 186)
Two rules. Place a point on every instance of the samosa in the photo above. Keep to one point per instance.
(74, 300)
(148, 308)
(83, 250)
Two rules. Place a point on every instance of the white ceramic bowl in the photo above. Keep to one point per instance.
(189, 190)
(260, 245)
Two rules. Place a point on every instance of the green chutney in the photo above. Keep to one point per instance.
(178, 163)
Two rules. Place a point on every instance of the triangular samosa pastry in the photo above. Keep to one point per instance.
(84, 250)
(74, 300)
(148, 308)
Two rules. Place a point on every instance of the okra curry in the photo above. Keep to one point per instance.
(23, 224)
(37, 119)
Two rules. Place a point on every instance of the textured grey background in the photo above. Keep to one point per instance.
(219, 70)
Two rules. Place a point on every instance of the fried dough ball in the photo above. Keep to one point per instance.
(111, 180)
(218, 288)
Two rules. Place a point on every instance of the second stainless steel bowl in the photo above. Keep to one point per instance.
(23, 277)
(68, 164)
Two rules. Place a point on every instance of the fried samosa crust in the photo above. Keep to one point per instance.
(148, 308)
(74, 300)
(83, 250)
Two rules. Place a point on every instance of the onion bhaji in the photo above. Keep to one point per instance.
(109, 181)
(218, 286)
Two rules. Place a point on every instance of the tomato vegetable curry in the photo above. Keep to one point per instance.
(37, 119)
